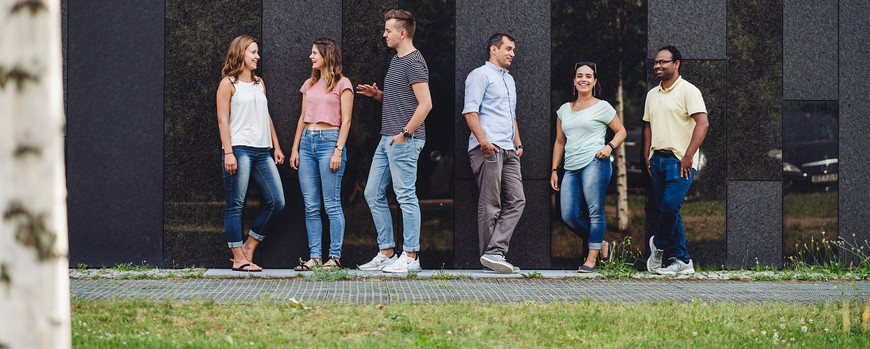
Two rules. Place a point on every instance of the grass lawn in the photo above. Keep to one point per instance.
(197, 324)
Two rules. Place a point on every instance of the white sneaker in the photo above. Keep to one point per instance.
(403, 265)
(655, 257)
(677, 267)
(497, 263)
(487, 270)
(379, 262)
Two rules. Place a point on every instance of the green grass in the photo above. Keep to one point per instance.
(532, 275)
(621, 265)
(206, 324)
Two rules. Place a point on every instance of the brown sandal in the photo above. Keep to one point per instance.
(307, 266)
(332, 263)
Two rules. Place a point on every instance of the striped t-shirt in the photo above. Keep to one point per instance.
(399, 99)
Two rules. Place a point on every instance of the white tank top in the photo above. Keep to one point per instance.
(249, 116)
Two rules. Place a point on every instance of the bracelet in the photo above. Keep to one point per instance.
(611, 146)
(230, 153)
(555, 169)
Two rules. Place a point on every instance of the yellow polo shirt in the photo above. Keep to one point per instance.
(668, 112)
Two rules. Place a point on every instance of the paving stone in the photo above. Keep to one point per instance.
(487, 289)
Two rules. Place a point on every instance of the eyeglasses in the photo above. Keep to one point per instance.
(662, 62)
(590, 64)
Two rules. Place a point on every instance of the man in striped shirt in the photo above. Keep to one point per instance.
(406, 103)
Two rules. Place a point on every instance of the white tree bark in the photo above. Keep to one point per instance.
(34, 276)
(622, 212)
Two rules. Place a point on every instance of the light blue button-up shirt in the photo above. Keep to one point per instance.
(491, 92)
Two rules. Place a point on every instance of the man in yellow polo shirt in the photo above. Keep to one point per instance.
(676, 124)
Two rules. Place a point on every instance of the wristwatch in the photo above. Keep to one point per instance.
(340, 148)
(406, 133)
(519, 147)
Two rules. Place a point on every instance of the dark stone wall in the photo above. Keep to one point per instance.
(143, 147)
(809, 50)
(529, 23)
(854, 87)
(697, 28)
(197, 36)
(754, 223)
(114, 83)
(289, 31)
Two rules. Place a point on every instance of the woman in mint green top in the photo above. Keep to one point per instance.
(580, 129)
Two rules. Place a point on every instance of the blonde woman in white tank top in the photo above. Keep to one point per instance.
(247, 138)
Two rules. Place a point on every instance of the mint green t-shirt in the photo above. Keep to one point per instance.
(584, 132)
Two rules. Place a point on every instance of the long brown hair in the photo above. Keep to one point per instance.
(596, 90)
(234, 64)
(331, 53)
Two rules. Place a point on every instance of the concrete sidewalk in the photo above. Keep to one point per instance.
(432, 286)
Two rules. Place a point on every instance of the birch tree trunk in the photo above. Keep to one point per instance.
(621, 174)
(34, 276)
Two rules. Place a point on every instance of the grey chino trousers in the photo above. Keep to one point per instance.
(501, 200)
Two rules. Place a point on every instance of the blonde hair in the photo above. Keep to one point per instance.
(234, 64)
(331, 53)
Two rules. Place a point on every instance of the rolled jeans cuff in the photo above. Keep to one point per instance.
(256, 236)
(411, 248)
(387, 246)
(234, 244)
(595, 245)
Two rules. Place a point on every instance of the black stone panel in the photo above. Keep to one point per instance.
(289, 31)
(704, 210)
(529, 23)
(621, 45)
(64, 22)
(809, 45)
(197, 37)
(854, 128)
(697, 28)
(530, 244)
(754, 89)
(810, 176)
(114, 67)
(754, 223)
(366, 59)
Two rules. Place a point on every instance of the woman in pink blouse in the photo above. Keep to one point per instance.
(319, 152)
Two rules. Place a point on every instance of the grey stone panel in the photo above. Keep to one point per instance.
(197, 36)
(64, 23)
(529, 23)
(854, 128)
(754, 90)
(289, 30)
(809, 45)
(697, 28)
(115, 131)
(810, 175)
(530, 244)
(754, 223)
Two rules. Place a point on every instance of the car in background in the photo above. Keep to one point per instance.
(810, 151)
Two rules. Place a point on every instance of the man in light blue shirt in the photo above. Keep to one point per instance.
(494, 149)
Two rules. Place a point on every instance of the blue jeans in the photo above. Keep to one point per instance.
(589, 185)
(256, 163)
(315, 177)
(395, 163)
(670, 190)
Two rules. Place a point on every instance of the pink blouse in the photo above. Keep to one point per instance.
(321, 106)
